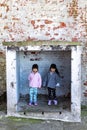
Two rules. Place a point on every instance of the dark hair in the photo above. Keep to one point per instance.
(35, 66)
(54, 67)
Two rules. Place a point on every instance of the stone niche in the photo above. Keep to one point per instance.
(19, 61)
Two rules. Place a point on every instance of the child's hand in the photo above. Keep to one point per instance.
(57, 85)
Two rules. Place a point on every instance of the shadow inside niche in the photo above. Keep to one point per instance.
(3, 102)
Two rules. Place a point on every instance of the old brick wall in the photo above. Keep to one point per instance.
(84, 76)
(2, 72)
(62, 20)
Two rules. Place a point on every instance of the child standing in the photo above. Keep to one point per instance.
(51, 81)
(34, 83)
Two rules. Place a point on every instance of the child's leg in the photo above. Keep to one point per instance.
(31, 95)
(49, 93)
(35, 96)
(54, 96)
(49, 96)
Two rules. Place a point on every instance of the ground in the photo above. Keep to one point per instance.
(14, 123)
(64, 103)
(30, 124)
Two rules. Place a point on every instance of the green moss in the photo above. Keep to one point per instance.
(83, 113)
(17, 119)
(35, 43)
(83, 107)
(83, 110)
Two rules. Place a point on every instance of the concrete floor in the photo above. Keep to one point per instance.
(63, 104)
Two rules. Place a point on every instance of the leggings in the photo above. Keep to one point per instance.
(51, 93)
(33, 95)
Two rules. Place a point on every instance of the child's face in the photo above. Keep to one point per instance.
(53, 69)
(34, 70)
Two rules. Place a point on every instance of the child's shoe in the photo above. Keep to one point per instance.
(30, 104)
(55, 102)
(35, 104)
(49, 102)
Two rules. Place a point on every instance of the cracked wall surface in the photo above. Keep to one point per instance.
(33, 20)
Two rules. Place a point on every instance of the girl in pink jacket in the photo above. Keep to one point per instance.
(34, 83)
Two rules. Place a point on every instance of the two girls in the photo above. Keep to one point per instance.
(51, 82)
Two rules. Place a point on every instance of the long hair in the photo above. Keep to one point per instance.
(54, 67)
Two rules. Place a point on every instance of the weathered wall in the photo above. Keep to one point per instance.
(17, 73)
(62, 20)
(84, 76)
(44, 59)
(2, 72)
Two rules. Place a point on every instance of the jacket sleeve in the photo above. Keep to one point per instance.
(40, 81)
(57, 79)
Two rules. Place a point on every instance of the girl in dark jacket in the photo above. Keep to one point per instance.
(52, 81)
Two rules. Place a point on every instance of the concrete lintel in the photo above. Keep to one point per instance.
(39, 43)
(42, 48)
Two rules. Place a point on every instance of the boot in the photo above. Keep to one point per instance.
(49, 102)
(55, 102)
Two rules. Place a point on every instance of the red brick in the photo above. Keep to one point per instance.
(15, 18)
(54, 28)
(35, 27)
(42, 26)
(47, 34)
(6, 27)
(0, 15)
(62, 25)
(33, 22)
(61, 0)
(75, 39)
(38, 20)
(56, 34)
(48, 21)
(52, 38)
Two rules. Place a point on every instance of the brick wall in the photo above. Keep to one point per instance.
(2, 72)
(84, 76)
(62, 20)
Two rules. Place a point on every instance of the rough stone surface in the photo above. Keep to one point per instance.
(2, 72)
(62, 20)
(17, 82)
